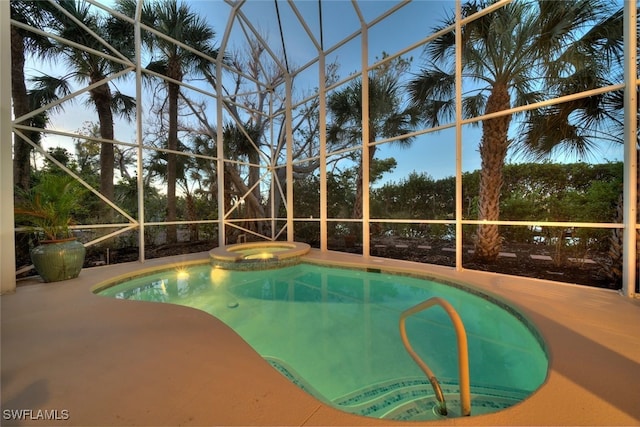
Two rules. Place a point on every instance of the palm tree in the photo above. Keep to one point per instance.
(511, 57)
(388, 117)
(180, 23)
(573, 126)
(43, 90)
(90, 68)
(22, 43)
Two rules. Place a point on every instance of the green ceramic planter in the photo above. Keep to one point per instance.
(59, 260)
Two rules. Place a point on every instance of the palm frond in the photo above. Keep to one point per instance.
(123, 105)
(46, 89)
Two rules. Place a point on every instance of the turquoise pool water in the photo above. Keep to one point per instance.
(334, 332)
(261, 250)
(261, 253)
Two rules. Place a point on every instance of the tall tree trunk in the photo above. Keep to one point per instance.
(493, 151)
(613, 270)
(357, 204)
(172, 142)
(102, 98)
(230, 232)
(254, 177)
(193, 216)
(252, 204)
(21, 149)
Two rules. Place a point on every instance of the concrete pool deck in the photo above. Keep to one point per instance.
(101, 361)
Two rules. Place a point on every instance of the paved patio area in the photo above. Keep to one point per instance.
(89, 360)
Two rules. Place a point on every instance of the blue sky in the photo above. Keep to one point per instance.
(433, 154)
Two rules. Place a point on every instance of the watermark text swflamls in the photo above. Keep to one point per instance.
(35, 414)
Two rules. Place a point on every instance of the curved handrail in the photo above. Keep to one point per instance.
(463, 353)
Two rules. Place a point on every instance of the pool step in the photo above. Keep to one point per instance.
(413, 399)
(407, 399)
(285, 369)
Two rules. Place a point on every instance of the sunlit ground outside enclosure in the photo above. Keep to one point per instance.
(489, 136)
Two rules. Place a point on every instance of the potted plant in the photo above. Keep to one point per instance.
(48, 210)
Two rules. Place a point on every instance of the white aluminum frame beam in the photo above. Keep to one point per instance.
(7, 233)
(629, 261)
(458, 77)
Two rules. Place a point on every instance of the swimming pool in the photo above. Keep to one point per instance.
(334, 332)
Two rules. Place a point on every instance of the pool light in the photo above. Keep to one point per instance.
(182, 274)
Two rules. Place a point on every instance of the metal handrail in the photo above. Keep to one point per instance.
(463, 354)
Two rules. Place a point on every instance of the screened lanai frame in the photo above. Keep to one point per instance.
(237, 17)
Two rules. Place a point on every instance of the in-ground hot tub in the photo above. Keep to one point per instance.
(258, 255)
